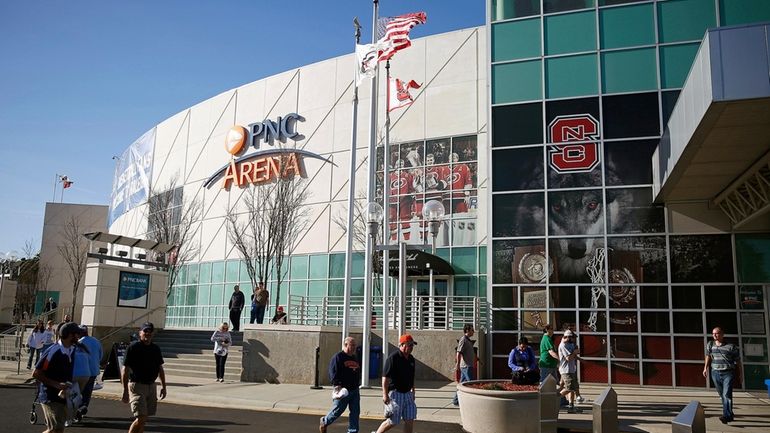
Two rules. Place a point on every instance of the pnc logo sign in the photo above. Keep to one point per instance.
(262, 166)
(580, 156)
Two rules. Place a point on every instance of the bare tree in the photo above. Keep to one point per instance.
(171, 219)
(268, 227)
(73, 249)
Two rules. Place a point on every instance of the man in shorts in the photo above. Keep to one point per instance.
(143, 364)
(568, 356)
(398, 387)
(54, 372)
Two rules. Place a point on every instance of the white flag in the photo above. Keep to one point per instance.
(398, 93)
(366, 61)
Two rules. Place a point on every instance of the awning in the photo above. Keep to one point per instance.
(146, 244)
(418, 264)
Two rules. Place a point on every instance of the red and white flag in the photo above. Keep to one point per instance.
(393, 33)
(398, 93)
(66, 182)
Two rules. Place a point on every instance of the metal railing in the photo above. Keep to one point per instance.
(421, 312)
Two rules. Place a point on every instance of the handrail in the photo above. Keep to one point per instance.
(42, 316)
(126, 325)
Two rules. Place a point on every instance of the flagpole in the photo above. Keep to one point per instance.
(351, 202)
(55, 181)
(371, 197)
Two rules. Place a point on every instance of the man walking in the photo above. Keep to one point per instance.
(549, 359)
(568, 355)
(94, 347)
(724, 360)
(398, 387)
(54, 373)
(465, 357)
(345, 375)
(237, 301)
(143, 364)
(259, 303)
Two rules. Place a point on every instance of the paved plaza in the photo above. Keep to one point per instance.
(640, 409)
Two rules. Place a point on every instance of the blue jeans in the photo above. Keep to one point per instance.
(353, 402)
(261, 313)
(546, 371)
(466, 374)
(32, 353)
(723, 381)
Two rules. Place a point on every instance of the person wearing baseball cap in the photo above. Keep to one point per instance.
(142, 365)
(568, 355)
(398, 386)
(54, 374)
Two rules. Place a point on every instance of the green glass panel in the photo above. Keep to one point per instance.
(172, 296)
(628, 71)
(752, 253)
(357, 287)
(571, 76)
(570, 33)
(627, 26)
(465, 286)
(218, 272)
(483, 288)
(319, 266)
(358, 265)
(507, 9)
(516, 40)
(675, 64)
(482, 260)
(181, 276)
(732, 12)
(551, 6)
(191, 296)
(756, 375)
(464, 260)
(317, 290)
(246, 288)
(218, 294)
(336, 288)
(193, 276)
(232, 267)
(337, 266)
(685, 20)
(443, 253)
(203, 295)
(299, 288)
(514, 82)
(299, 267)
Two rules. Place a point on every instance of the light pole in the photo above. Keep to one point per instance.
(433, 212)
(374, 215)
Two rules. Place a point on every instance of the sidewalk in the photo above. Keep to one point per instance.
(640, 409)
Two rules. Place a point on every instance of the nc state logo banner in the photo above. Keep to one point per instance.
(578, 157)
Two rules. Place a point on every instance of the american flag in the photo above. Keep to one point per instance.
(393, 33)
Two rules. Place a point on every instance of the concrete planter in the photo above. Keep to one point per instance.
(489, 411)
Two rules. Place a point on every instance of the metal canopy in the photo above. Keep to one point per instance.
(146, 244)
(418, 264)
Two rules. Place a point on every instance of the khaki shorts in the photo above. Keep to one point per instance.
(143, 398)
(55, 414)
(570, 381)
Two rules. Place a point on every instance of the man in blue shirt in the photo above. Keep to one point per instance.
(54, 373)
(345, 375)
(94, 347)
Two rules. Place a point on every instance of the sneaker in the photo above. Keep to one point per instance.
(98, 386)
(580, 399)
(83, 411)
(723, 420)
(322, 426)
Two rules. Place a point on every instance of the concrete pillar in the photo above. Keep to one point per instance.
(605, 412)
(549, 405)
(692, 419)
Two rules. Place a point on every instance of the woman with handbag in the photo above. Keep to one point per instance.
(222, 341)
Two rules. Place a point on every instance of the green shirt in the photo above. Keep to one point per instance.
(546, 360)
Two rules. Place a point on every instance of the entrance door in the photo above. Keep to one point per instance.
(430, 311)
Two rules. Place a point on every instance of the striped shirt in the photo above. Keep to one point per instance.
(723, 357)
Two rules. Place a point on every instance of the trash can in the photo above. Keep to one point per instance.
(375, 355)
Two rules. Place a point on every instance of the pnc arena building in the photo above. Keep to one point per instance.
(593, 158)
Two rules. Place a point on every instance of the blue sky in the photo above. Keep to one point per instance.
(81, 80)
